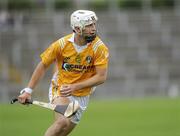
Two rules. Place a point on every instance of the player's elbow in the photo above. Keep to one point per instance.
(102, 78)
(102, 75)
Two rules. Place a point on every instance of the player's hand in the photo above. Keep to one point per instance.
(23, 97)
(66, 90)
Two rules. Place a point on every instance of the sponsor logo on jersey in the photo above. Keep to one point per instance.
(77, 68)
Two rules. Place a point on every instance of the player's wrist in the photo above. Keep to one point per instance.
(27, 90)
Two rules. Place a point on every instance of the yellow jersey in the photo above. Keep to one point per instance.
(75, 66)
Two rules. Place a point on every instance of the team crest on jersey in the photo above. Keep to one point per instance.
(66, 59)
(78, 58)
(88, 59)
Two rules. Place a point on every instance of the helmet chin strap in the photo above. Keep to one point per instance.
(89, 38)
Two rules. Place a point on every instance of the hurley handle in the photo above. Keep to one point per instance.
(28, 101)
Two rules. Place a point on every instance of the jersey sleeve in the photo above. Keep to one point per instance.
(102, 57)
(51, 53)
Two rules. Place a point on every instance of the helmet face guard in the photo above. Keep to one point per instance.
(82, 18)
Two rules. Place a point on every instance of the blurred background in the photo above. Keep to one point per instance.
(143, 37)
(143, 82)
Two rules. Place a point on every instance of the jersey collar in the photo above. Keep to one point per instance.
(71, 39)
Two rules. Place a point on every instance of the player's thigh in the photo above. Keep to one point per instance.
(57, 116)
(64, 123)
(60, 101)
(67, 124)
(69, 129)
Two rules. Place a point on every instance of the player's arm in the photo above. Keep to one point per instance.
(47, 58)
(101, 66)
(36, 76)
(97, 79)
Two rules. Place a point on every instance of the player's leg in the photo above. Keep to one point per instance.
(75, 119)
(62, 125)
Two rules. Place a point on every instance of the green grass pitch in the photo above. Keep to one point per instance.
(128, 117)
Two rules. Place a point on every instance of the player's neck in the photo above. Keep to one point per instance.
(79, 40)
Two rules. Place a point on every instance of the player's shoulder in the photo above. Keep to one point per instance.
(63, 40)
(98, 44)
(67, 37)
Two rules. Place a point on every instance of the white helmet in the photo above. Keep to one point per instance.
(81, 18)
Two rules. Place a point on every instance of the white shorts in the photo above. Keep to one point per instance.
(83, 101)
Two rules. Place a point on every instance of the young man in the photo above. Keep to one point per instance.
(82, 61)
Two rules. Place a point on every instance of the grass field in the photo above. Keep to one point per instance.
(135, 117)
